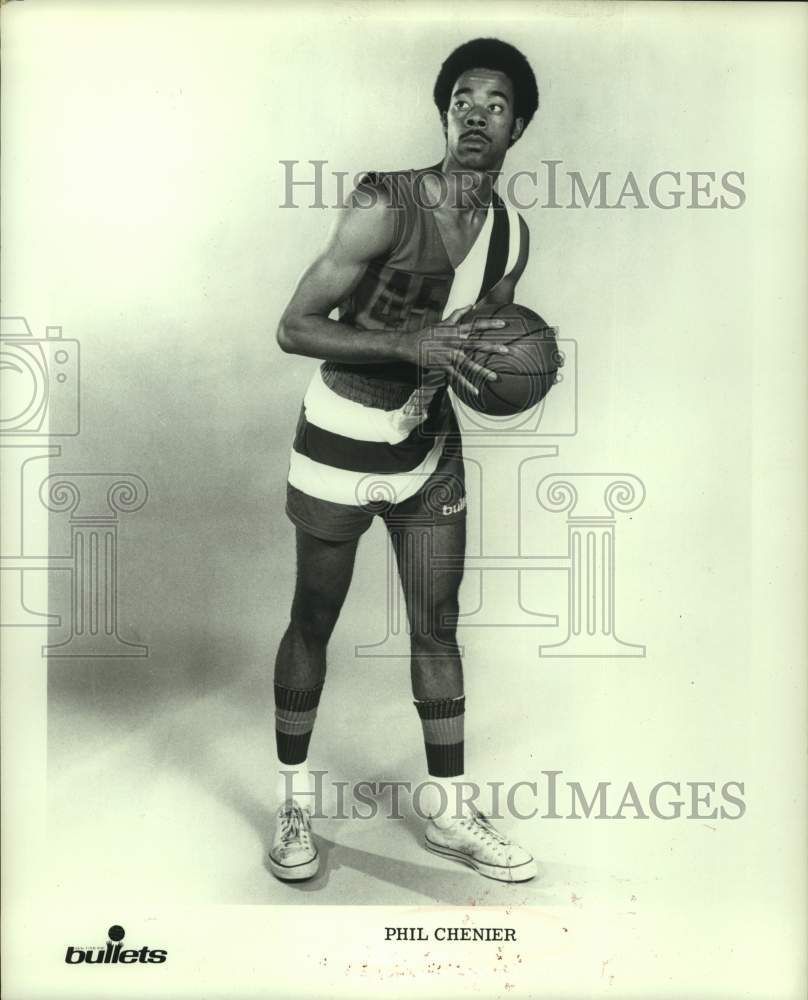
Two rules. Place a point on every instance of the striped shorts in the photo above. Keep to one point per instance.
(373, 449)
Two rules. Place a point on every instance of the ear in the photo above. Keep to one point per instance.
(517, 129)
(444, 122)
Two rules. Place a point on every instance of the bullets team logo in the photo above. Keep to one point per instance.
(114, 952)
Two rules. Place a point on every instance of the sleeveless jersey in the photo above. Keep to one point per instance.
(371, 432)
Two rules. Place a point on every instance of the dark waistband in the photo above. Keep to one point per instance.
(387, 387)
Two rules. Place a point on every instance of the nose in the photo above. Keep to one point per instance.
(476, 118)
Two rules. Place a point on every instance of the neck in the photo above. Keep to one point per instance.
(468, 190)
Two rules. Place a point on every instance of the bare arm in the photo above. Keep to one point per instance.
(360, 235)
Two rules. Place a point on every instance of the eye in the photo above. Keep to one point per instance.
(496, 108)
(460, 104)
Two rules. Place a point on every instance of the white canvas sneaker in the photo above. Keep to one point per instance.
(474, 841)
(293, 855)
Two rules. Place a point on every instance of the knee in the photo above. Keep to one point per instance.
(314, 618)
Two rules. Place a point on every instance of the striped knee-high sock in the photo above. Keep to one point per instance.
(295, 712)
(442, 721)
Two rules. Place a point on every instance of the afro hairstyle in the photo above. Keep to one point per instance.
(489, 53)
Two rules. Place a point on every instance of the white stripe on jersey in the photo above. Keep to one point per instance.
(514, 237)
(468, 276)
(360, 488)
(332, 412)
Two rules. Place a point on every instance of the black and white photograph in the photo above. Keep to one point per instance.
(403, 440)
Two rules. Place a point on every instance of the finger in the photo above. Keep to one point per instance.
(456, 316)
(488, 324)
(475, 369)
(464, 331)
(498, 348)
(464, 383)
(481, 327)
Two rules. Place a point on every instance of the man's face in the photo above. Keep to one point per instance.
(480, 123)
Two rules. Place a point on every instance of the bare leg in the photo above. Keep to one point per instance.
(324, 571)
(431, 598)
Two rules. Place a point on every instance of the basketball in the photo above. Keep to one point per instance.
(524, 375)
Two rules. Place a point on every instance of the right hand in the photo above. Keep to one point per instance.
(440, 348)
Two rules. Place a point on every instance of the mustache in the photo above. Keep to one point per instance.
(474, 132)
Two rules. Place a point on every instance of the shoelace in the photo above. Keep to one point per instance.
(479, 823)
(293, 825)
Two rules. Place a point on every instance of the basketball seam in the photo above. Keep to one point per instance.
(509, 402)
(551, 371)
(473, 352)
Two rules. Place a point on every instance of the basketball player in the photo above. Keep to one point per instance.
(408, 257)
